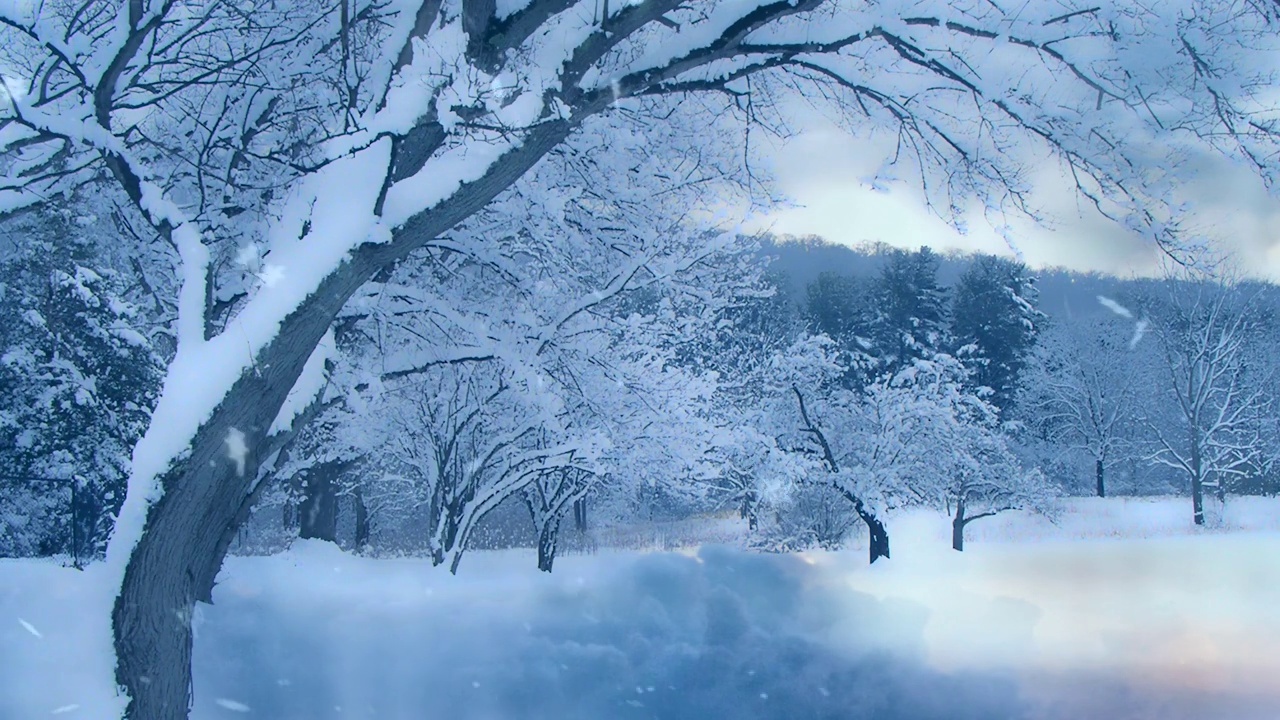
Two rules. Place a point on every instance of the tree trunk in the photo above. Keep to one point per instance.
(173, 565)
(879, 537)
(580, 514)
(1197, 479)
(876, 532)
(318, 511)
(1098, 473)
(189, 529)
(362, 521)
(548, 534)
(747, 509)
(957, 527)
(1197, 501)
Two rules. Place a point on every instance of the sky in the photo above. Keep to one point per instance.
(825, 172)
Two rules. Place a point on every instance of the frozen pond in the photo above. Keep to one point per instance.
(1168, 628)
(1171, 628)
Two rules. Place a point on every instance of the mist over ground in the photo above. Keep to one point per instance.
(1092, 617)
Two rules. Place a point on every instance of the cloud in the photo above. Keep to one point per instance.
(826, 172)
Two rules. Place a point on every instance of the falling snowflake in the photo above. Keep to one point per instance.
(1115, 307)
(232, 705)
(249, 257)
(30, 628)
(271, 275)
(502, 86)
(237, 449)
(1139, 329)
(65, 709)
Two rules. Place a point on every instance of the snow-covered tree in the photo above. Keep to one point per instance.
(910, 310)
(741, 349)
(545, 396)
(1080, 389)
(1206, 328)
(994, 323)
(967, 450)
(842, 307)
(323, 144)
(919, 437)
(77, 375)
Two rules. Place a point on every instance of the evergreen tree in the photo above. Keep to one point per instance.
(841, 307)
(994, 323)
(910, 309)
(77, 382)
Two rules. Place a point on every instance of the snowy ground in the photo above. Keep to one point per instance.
(1117, 612)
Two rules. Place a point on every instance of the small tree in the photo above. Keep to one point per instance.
(1206, 331)
(933, 440)
(1080, 390)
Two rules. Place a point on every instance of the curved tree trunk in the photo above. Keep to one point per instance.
(877, 534)
(189, 529)
(879, 537)
(548, 535)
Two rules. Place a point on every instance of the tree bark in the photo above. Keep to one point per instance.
(548, 535)
(1197, 501)
(876, 532)
(957, 527)
(879, 536)
(189, 529)
(362, 521)
(747, 510)
(1197, 482)
(318, 511)
(1098, 473)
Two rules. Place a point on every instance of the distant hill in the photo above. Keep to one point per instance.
(797, 262)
